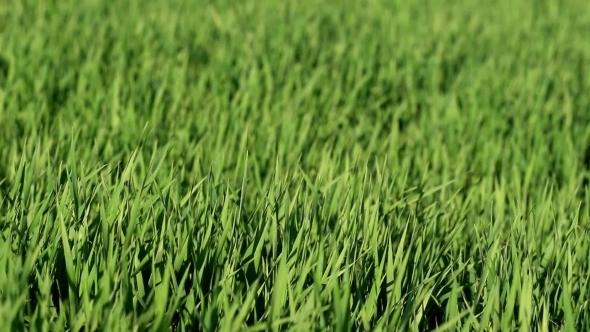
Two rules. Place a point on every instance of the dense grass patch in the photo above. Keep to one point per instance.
(382, 165)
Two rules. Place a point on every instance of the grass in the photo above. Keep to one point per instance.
(308, 165)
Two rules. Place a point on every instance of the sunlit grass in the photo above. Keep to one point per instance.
(307, 166)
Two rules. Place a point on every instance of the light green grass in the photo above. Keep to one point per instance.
(294, 165)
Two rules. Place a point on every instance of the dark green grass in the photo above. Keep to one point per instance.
(306, 166)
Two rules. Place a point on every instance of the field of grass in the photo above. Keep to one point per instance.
(336, 165)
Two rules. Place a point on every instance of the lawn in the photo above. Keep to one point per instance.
(379, 165)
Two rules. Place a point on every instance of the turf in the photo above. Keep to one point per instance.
(269, 165)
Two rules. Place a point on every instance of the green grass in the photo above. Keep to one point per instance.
(269, 165)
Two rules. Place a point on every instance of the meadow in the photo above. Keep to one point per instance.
(379, 165)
